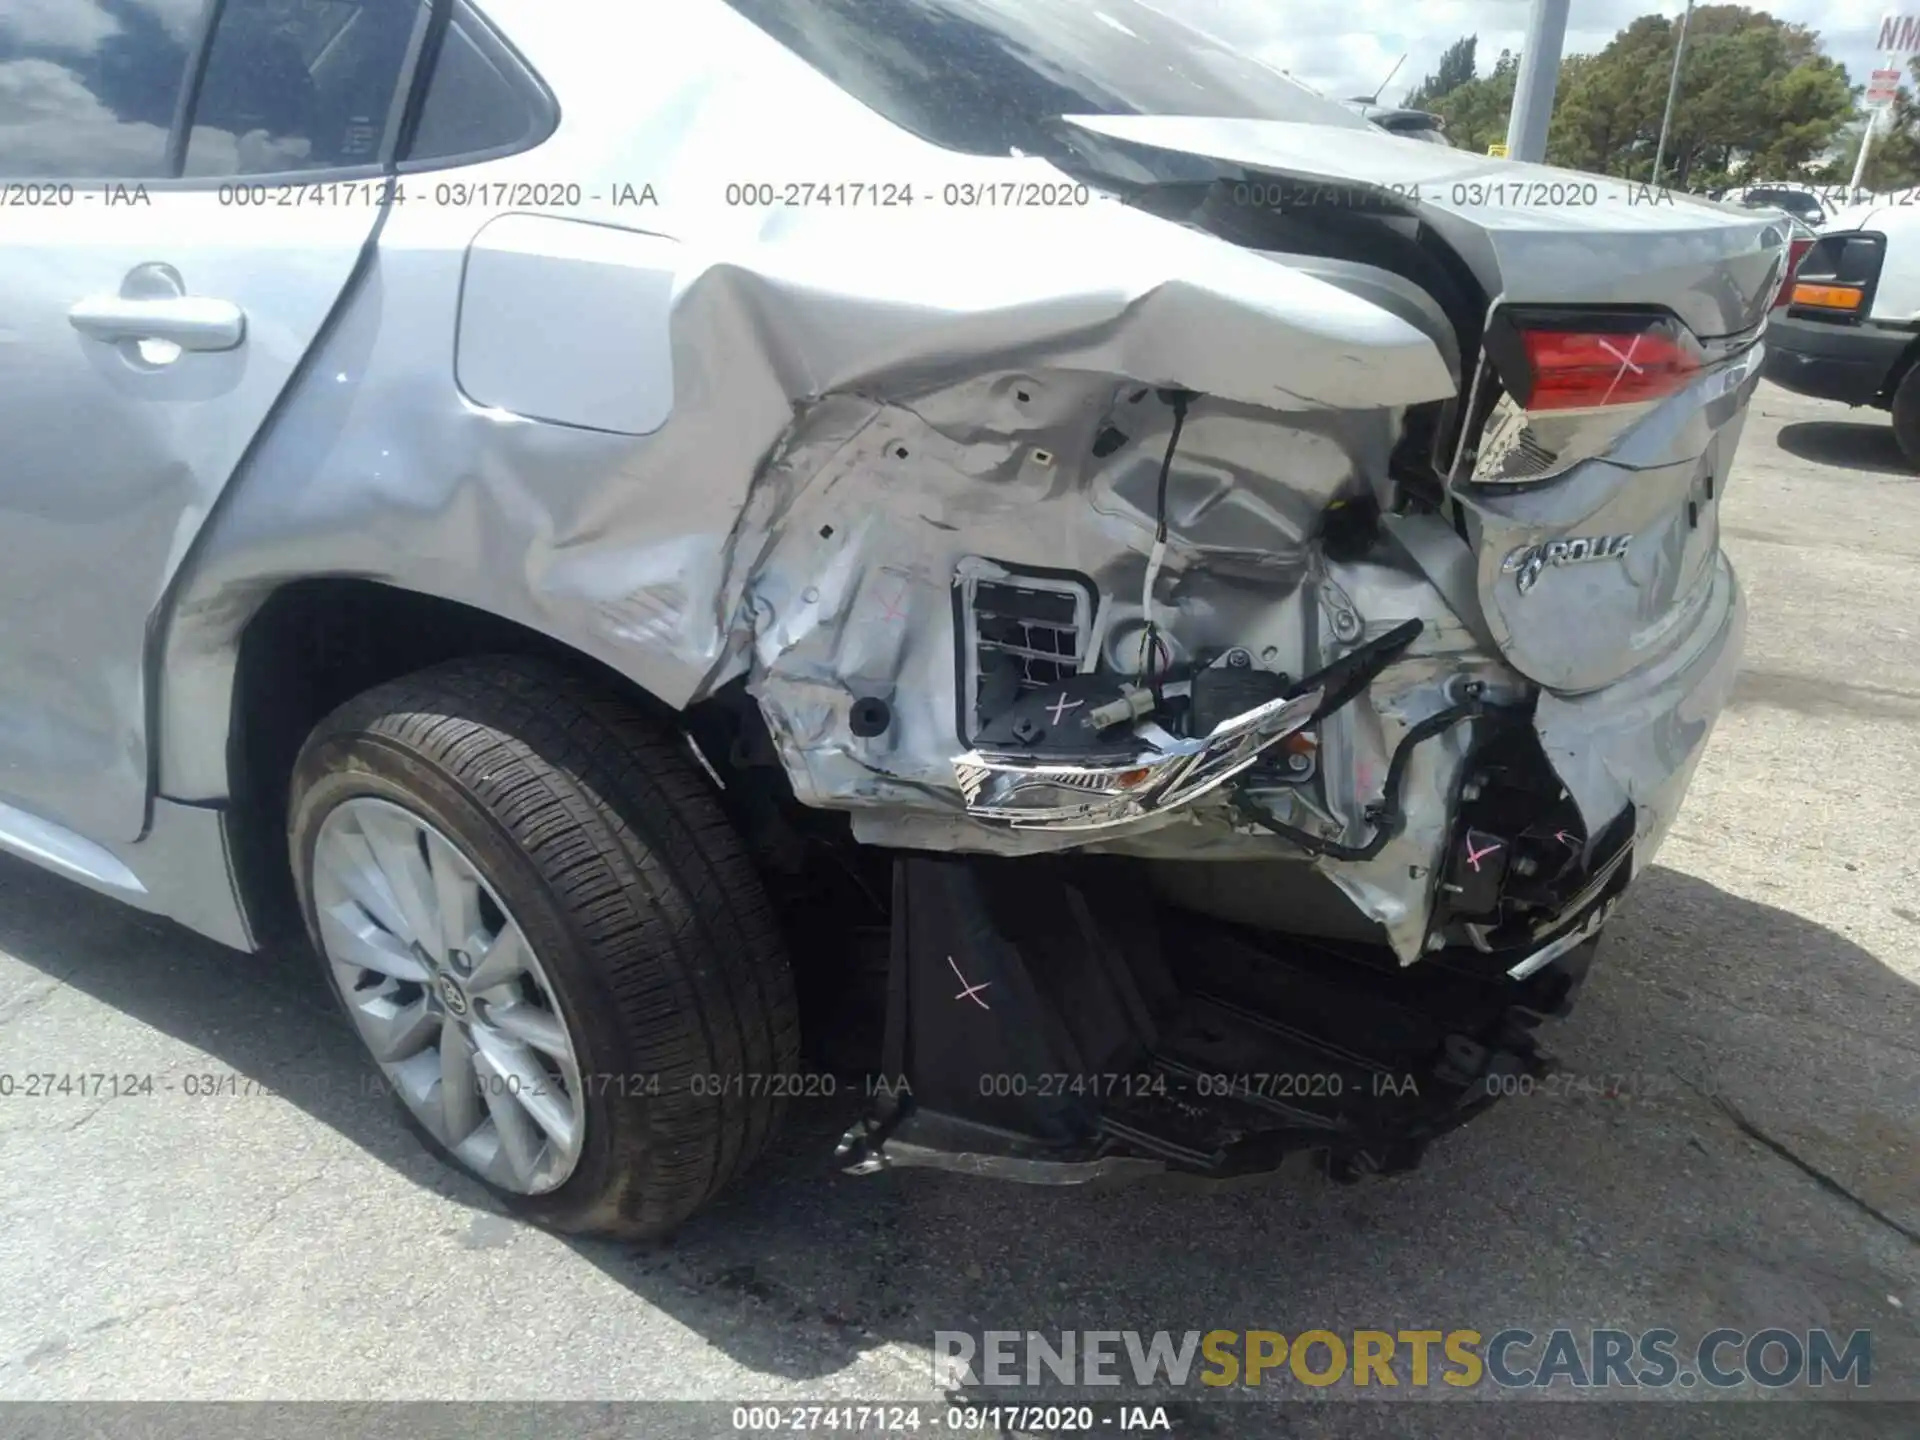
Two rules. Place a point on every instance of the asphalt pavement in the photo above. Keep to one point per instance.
(263, 1228)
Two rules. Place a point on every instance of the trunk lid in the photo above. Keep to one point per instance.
(1594, 526)
(1530, 233)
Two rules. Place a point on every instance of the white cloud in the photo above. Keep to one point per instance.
(179, 18)
(57, 24)
(78, 26)
(51, 124)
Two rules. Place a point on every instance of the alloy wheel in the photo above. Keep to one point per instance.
(448, 995)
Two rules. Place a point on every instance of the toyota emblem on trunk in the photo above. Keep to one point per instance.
(1526, 563)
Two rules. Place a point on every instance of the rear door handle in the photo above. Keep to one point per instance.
(193, 322)
(153, 304)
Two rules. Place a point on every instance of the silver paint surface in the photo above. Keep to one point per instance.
(752, 443)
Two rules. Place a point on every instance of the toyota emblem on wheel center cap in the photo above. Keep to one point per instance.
(451, 994)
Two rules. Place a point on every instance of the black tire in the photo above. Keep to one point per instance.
(1906, 417)
(599, 834)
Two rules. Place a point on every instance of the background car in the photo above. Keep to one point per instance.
(1849, 324)
(1800, 202)
(1412, 124)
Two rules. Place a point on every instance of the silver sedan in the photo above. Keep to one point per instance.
(1012, 519)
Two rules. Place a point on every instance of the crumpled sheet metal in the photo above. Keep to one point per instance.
(839, 440)
(637, 549)
(858, 526)
(1638, 742)
(1101, 288)
(771, 528)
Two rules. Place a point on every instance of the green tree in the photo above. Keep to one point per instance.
(1757, 97)
(1588, 124)
(1756, 94)
(1765, 95)
(1476, 112)
(1457, 67)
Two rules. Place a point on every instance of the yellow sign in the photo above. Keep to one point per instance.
(1498, 152)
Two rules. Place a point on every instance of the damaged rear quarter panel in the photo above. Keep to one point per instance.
(640, 550)
(855, 403)
(871, 508)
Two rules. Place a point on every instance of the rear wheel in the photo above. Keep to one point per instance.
(1906, 416)
(549, 938)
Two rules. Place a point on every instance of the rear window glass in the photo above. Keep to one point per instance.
(1784, 199)
(480, 101)
(989, 76)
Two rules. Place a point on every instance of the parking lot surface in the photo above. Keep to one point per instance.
(276, 1234)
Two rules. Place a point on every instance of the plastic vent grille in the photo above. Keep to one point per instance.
(1019, 630)
(1036, 630)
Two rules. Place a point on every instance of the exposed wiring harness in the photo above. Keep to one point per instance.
(1343, 681)
(1385, 814)
(1155, 657)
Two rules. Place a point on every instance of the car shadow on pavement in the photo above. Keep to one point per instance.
(267, 1019)
(1851, 445)
(1653, 1207)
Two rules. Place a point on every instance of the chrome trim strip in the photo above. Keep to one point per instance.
(1166, 774)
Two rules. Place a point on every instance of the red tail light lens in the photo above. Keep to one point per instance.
(1582, 369)
(1796, 253)
(1572, 381)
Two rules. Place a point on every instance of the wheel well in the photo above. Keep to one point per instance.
(1901, 368)
(314, 645)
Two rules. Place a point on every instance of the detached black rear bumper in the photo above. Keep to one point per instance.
(1049, 1023)
(1831, 361)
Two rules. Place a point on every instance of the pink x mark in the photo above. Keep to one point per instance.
(1474, 856)
(969, 992)
(1626, 364)
(892, 607)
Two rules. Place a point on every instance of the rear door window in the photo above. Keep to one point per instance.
(301, 85)
(96, 89)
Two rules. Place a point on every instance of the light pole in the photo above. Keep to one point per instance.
(1533, 87)
(1860, 164)
(1673, 92)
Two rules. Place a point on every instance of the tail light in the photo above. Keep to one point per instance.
(1575, 381)
(1796, 253)
(1582, 369)
(1584, 360)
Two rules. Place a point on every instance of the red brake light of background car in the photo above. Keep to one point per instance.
(1582, 370)
(1796, 254)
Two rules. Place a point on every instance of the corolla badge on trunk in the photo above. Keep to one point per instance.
(1528, 561)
